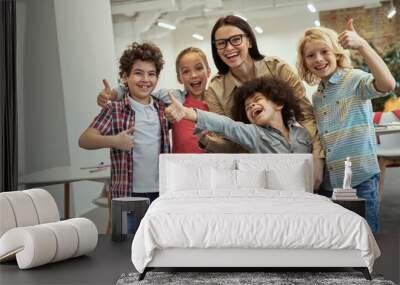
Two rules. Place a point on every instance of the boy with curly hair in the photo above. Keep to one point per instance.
(135, 129)
(264, 110)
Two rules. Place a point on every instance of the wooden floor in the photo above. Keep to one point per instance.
(110, 260)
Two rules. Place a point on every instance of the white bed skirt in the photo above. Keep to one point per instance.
(235, 257)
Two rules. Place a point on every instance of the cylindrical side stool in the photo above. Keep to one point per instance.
(138, 205)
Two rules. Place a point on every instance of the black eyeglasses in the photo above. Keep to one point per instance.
(235, 40)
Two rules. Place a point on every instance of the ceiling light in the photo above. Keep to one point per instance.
(311, 7)
(392, 10)
(317, 23)
(198, 37)
(166, 25)
(258, 29)
(240, 16)
(391, 13)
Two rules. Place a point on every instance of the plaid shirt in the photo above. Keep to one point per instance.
(114, 118)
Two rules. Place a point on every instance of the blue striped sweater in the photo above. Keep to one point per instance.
(343, 113)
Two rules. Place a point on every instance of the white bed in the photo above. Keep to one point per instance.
(247, 210)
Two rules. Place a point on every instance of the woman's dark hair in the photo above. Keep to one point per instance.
(144, 52)
(273, 89)
(245, 27)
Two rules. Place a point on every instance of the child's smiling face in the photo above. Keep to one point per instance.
(320, 59)
(261, 111)
(142, 80)
(193, 74)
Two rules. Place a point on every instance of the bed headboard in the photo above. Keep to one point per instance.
(294, 169)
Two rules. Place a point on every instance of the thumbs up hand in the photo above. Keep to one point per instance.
(175, 111)
(106, 94)
(350, 39)
(124, 140)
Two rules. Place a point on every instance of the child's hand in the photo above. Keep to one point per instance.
(350, 39)
(175, 111)
(106, 94)
(123, 140)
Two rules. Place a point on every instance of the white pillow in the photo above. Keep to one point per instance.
(282, 174)
(188, 177)
(227, 179)
(293, 179)
(251, 178)
(223, 179)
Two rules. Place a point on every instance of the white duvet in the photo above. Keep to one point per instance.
(252, 218)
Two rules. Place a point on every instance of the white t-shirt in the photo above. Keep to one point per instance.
(146, 148)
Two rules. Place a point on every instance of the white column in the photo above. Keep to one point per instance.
(64, 49)
(87, 54)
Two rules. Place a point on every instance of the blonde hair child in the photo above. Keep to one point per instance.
(330, 38)
(343, 108)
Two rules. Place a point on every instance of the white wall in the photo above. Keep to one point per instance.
(64, 50)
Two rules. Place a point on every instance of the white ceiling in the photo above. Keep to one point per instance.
(144, 14)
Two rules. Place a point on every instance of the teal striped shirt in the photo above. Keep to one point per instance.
(343, 112)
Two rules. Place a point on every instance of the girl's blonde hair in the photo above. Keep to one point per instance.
(190, 50)
(330, 38)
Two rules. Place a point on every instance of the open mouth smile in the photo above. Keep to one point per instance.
(232, 55)
(321, 67)
(144, 87)
(256, 112)
(196, 84)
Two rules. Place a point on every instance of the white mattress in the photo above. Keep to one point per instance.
(252, 218)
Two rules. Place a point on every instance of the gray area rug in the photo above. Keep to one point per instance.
(243, 278)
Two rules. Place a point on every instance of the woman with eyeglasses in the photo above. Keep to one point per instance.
(237, 58)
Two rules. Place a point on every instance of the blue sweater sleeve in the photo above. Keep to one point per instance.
(238, 132)
(162, 94)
